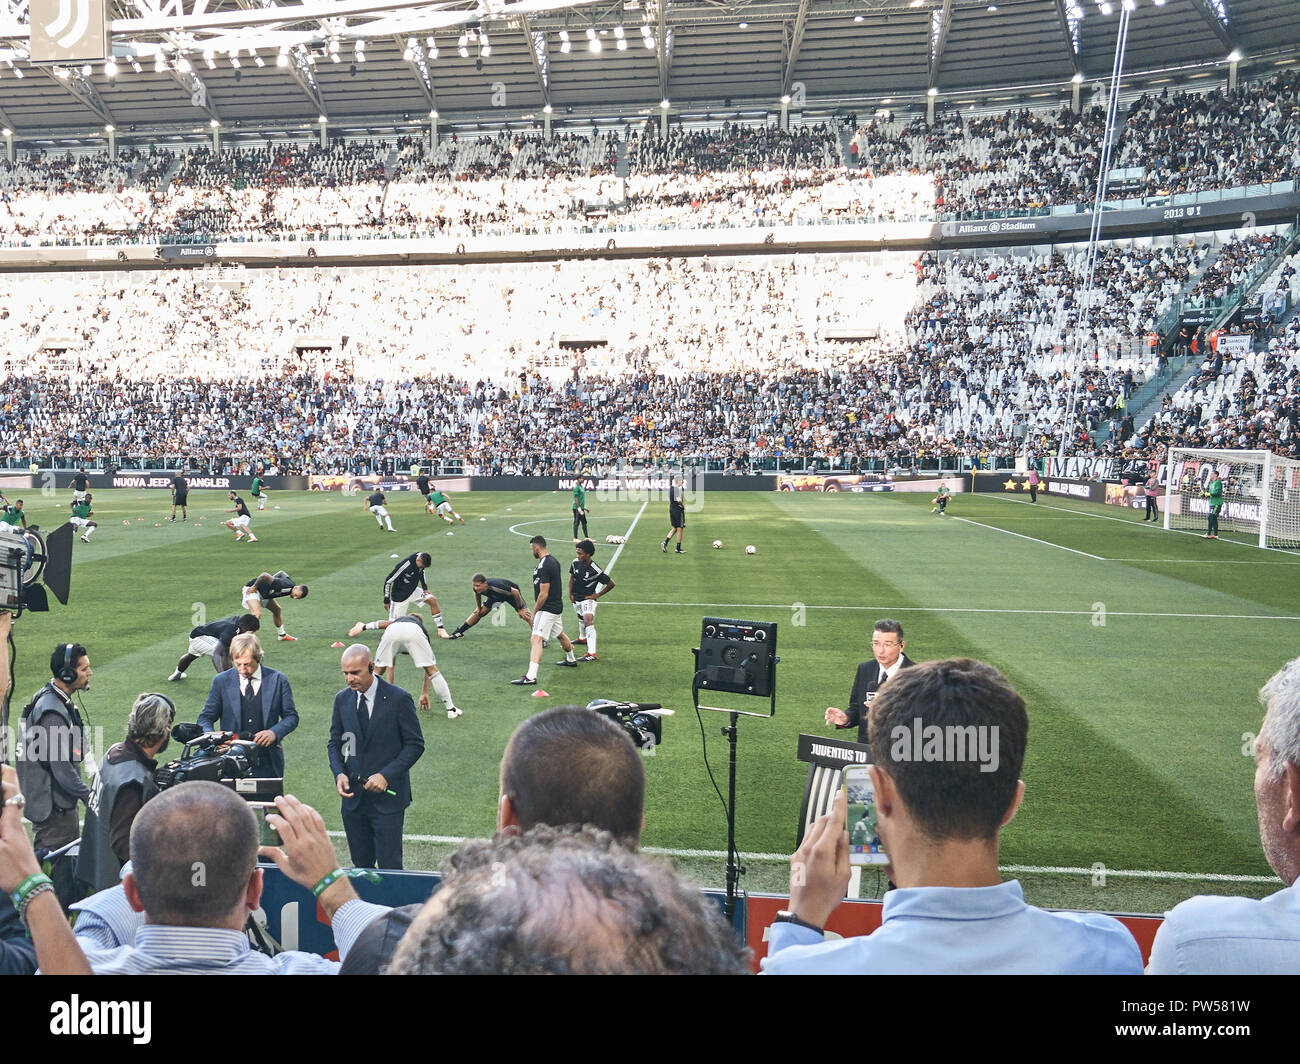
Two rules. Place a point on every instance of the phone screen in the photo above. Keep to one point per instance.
(865, 847)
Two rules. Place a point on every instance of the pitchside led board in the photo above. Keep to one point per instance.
(69, 31)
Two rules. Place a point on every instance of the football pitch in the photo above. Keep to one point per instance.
(1139, 652)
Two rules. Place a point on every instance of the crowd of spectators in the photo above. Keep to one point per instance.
(867, 361)
(732, 175)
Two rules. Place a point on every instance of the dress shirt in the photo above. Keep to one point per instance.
(961, 931)
(1230, 936)
(255, 679)
(368, 696)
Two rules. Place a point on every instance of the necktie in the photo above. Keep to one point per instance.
(251, 711)
(363, 717)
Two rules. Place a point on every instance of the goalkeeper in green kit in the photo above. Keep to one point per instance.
(579, 510)
(1215, 495)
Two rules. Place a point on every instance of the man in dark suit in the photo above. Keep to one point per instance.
(375, 738)
(254, 701)
(887, 647)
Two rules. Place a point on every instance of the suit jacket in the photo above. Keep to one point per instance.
(392, 743)
(866, 682)
(278, 712)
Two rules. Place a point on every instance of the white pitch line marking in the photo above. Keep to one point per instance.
(1045, 543)
(887, 610)
(626, 536)
(1212, 877)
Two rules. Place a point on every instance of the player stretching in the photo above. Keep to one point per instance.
(263, 590)
(241, 521)
(941, 501)
(405, 589)
(489, 592)
(375, 504)
(180, 496)
(81, 514)
(1215, 495)
(80, 486)
(258, 491)
(407, 635)
(584, 577)
(439, 504)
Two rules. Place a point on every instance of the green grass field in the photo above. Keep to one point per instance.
(1139, 653)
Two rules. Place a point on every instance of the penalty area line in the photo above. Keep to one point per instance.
(1045, 543)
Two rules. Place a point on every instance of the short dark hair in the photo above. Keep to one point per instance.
(569, 765)
(248, 623)
(537, 541)
(953, 797)
(304, 589)
(193, 851)
(886, 625)
(424, 559)
(478, 578)
(587, 547)
(74, 651)
(566, 902)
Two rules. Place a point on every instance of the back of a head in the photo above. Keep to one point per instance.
(193, 850)
(572, 766)
(951, 735)
(553, 902)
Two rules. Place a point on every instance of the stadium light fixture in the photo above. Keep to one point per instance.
(259, 61)
(1077, 79)
(322, 120)
(214, 123)
(1130, 5)
(234, 61)
(1106, 9)
(282, 60)
(565, 47)
(87, 70)
(548, 109)
(618, 30)
(593, 45)
(1234, 56)
(110, 68)
(486, 51)
(7, 132)
(109, 128)
(622, 44)
(564, 35)
(857, 18)
(591, 33)
(664, 104)
(932, 92)
(433, 114)
(786, 98)
(61, 72)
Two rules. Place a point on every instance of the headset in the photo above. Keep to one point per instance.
(67, 672)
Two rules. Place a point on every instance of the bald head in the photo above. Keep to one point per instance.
(357, 667)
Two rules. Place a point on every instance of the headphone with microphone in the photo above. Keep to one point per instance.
(67, 672)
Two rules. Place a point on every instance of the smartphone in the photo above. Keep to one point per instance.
(266, 835)
(860, 821)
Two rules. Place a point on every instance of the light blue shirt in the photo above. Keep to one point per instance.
(117, 941)
(1230, 936)
(962, 931)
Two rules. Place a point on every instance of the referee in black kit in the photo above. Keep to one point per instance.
(676, 515)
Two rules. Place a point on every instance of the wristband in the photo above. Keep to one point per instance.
(343, 873)
(28, 885)
(785, 916)
(371, 625)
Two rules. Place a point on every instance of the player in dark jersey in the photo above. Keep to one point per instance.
(405, 589)
(422, 485)
(258, 491)
(587, 583)
(548, 612)
(490, 592)
(81, 516)
(214, 640)
(676, 515)
(240, 522)
(180, 496)
(375, 504)
(264, 590)
(80, 485)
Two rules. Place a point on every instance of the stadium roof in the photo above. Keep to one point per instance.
(266, 65)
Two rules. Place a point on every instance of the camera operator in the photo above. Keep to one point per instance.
(50, 751)
(125, 781)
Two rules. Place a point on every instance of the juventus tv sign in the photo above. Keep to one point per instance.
(69, 31)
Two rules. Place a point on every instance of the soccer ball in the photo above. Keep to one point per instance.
(717, 544)
(750, 549)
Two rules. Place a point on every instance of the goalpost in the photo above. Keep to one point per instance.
(1261, 493)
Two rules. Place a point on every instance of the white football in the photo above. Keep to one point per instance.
(717, 544)
(749, 549)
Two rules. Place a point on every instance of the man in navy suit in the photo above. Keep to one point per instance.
(254, 701)
(375, 738)
(888, 658)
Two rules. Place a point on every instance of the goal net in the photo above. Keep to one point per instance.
(1261, 494)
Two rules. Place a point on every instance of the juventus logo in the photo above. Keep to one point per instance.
(70, 24)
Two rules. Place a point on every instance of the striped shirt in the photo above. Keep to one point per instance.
(107, 922)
